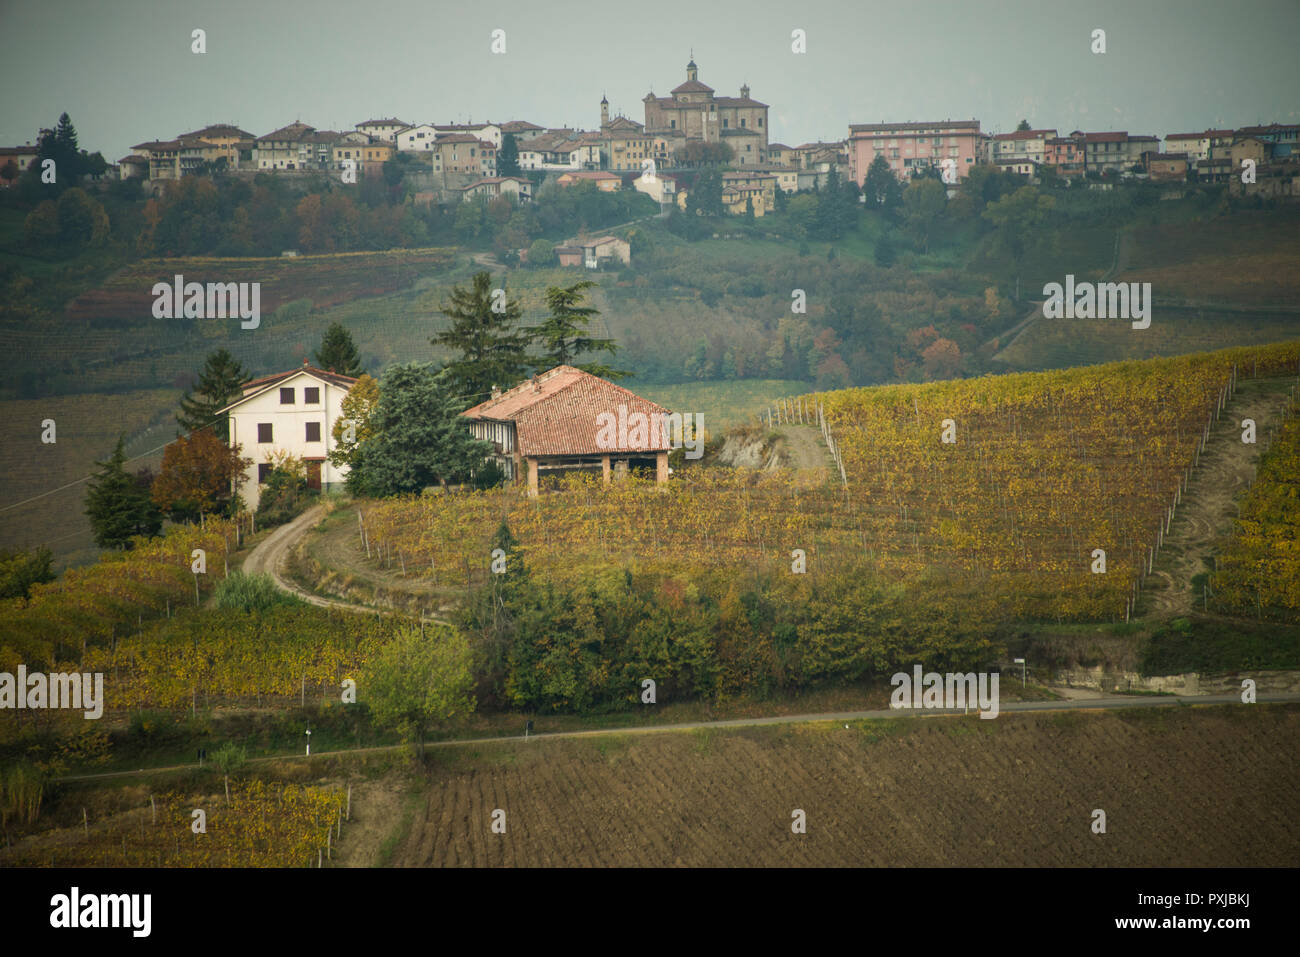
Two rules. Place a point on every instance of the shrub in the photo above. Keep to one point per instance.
(251, 593)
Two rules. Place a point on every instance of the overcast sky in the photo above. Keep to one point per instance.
(124, 71)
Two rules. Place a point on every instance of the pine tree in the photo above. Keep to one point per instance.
(219, 384)
(418, 437)
(118, 504)
(562, 333)
(492, 350)
(337, 352)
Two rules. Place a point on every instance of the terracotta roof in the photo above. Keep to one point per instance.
(556, 413)
(388, 122)
(596, 174)
(158, 145)
(517, 126)
(737, 101)
(133, 158)
(219, 129)
(1271, 128)
(456, 138)
(333, 378)
(293, 133)
(1119, 137)
(623, 123)
(692, 86)
(777, 146)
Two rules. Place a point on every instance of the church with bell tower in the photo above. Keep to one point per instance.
(693, 113)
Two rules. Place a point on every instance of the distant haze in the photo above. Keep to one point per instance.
(124, 71)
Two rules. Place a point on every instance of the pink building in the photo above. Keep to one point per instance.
(1065, 155)
(909, 146)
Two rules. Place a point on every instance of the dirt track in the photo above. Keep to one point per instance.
(1227, 469)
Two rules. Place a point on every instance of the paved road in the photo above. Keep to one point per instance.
(1094, 704)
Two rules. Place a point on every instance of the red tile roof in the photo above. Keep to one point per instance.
(556, 413)
(334, 378)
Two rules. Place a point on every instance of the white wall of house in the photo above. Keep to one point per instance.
(416, 139)
(288, 429)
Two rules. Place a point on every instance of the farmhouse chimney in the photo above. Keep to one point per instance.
(496, 392)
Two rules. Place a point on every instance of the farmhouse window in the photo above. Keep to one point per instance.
(311, 394)
(286, 396)
(264, 432)
(263, 471)
(313, 431)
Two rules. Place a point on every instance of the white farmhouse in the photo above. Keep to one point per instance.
(290, 412)
(415, 139)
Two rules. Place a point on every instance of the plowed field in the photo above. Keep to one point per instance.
(1203, 787)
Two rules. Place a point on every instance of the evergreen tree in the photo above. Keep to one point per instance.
(562, 334)
(220, 383)
(118, 505)
(338, 353)
(706, 195)
(492, 350)
(508, 158)
(418, 437)
(882, 187)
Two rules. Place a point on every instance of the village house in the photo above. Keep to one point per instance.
(659, 187)
(559, 150)
(1116, 152)
(415, 139)
(1281, 139)
(1250, 148)
(172, 159)
(289, 413)
(382, 131)
(134, 166)
(1063, 155)
(553, 423)
(464, 153)
(908, 147)
(1021, 167)
(21, 156)
(368, 157)
(289, 147)
(522, 130)
(1166, 166)
(1199, 147)
(490, 132)
(605, 182)
(226, 140)
(493, 186)
(1023, 144)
